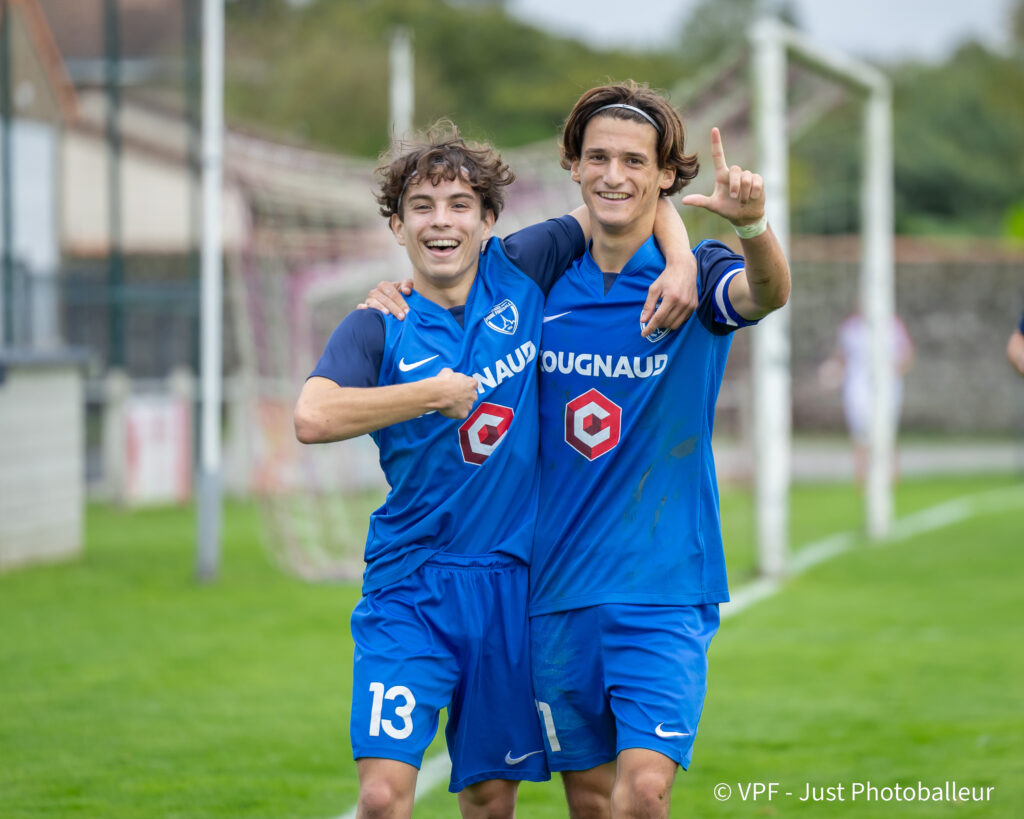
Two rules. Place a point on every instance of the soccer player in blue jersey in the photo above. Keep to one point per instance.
(450, 397)
(628, 567)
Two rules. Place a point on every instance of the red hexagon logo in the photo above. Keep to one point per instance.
(481, 433)
(593, 424)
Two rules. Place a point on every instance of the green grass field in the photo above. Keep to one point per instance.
(128, 690)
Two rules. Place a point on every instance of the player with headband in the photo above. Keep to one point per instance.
(628, 567)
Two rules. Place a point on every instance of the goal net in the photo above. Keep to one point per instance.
(314, 248)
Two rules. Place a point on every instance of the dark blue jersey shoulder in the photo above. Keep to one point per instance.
(715, 262)
(355, 350)
(543, 251)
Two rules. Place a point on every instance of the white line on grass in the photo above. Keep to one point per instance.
(438, 768)
(955, 511)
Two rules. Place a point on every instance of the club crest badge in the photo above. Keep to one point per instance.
(503, 318)
(657, 335)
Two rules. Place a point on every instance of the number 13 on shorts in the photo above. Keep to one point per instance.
(402, 711)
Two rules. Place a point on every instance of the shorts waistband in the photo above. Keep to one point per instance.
(488, 560)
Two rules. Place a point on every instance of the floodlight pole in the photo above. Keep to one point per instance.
(115, 220)
(770, 347)
(208, 522)
(6, 168)
(401, 97)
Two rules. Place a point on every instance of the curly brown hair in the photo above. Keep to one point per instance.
(671, 133)
(440, 153)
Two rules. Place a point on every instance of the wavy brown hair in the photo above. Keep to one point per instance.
(442, 154)
(671, 133)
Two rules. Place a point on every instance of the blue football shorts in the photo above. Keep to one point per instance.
(618, 676)
(455, 635)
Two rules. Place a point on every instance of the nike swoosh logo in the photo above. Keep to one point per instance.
(406, 367)
(557, 315)
(515, 760)
(661, 732)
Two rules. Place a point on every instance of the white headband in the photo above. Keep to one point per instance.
(632, 108)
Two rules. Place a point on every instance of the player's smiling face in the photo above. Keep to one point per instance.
(442, 228)
(619, 175)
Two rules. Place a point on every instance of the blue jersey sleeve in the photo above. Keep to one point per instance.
(717, 264)
(544, 251)
(1021, 325)
(355, 350)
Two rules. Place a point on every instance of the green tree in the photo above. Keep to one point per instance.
(319, 74)
(715, 27)
(959, 149)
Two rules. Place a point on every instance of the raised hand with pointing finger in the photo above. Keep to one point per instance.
(738, 195)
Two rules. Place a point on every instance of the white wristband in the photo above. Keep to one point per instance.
(753, 230)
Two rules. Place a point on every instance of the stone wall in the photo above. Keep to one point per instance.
(959, 301)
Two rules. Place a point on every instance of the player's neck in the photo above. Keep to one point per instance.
(446, 294)
(613, 249)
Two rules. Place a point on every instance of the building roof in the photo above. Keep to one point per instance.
(35, 56)
(147, 27)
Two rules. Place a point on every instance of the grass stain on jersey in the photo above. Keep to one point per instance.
(684, 448)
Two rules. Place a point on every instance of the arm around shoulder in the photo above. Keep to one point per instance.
(672, 297)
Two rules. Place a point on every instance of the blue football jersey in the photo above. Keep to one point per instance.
(628, 498)
(464, 487)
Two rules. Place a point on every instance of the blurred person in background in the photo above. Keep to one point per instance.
(850, 367)
(1015, 347)
(450, 398)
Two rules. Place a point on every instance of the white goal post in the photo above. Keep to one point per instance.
(774, 44)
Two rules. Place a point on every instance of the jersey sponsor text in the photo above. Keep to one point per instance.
(609, 366)
(504, 368)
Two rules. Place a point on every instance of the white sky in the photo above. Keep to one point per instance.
(886, 30)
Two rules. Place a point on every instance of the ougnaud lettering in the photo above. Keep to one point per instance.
(504, 368)
(609, 366)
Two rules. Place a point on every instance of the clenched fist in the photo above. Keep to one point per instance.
(455, 393)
